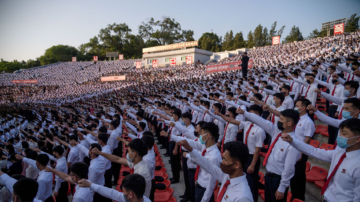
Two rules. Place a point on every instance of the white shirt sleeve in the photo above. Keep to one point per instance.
(107, 192)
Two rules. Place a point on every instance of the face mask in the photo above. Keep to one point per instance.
(201, 139)
(252, 102)
(172, 119)
(227, 99)
(342, 142)
(280, 125)
(128, 158)
(213, 110)
(346, 93)
(261, 86)
(296, 109)
(308, 81)
(266, 94)
(183, 123)
(328, 71)
(346, 115)
(227, 169)
(334, 81)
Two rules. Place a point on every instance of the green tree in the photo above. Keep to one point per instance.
(210, 41)
(239, 41)
(133, 47)
(280, 31)
(265, 36)
(228, 41)
(59, 53)
(250, 40)
(258, 36)
(352, 23)
(272, 33)
(294, 35)
(165, 31)
(316, 33)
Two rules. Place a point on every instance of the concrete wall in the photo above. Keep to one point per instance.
(226, 54)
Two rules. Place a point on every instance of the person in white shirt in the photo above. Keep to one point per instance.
(288, 102)
(234, 186)
(22, 190)
(73, 155)
(278, 99)
(134, 159)
(44, 179)
(78, 171)
(309, 88)
(254, 137)
(343, 180)
(133, 187)
(281, 157)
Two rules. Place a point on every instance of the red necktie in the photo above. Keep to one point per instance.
(273, 118)
(203, 116)
(138, 134)
(266, 99)
(198, 167)
(333, 173)
(333, 92)
(271, 147)
(327, 81)
(170, 132)
(292, 86)
(340, 114)
(132, 171)
(223, 140)
(248, 132)
(307, 91)
(223, 190)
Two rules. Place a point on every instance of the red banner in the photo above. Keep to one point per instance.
(154, 63)
(173, 61)
(73, 59)
(138, 65)
(25, 81)
(113, 78)
(339, 28)
(188, 60)
(121, 57)
(227, 67)
(276, 40)
(95, 58)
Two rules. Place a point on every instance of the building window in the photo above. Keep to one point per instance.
(150, 61)
(167, 59)
(183, 58)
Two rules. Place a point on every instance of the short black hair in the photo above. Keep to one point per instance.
(286, 87)
(256, 108)
(26, 189)
(59, 149)
(233, 111)
(177, 112)
(218, 106)
(73, 137)
(352, 84)
(280, 96)
(148, 140)
(139, 146)
(95, 145)
(32, 155)
(291, 114)
(352, 124)
(80, 169)
(115, 123)
(142, 125)
(258, 96)
(211, 128)
(102, 129)
(103, 137)
(187, 115)
(135, 183)
(304, 102)
(237, 150)
(43, 159)
(354, 101)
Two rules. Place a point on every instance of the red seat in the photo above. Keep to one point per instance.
(289, 196)
(172, 199)
(316, 173)
(266, 146)
(263, 154)
(162, 170)
(261, 176)
(315, 117)
(327, 146)
(321, 100)
(166, 182)
(159, 164)
(308, 166)
(262, 196)
(320, 107)
(315, 143)
(319, 184)
(325, 134)
(163, 196)
(164, 175)
(321, 128)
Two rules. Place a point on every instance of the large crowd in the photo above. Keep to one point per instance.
(72, 130)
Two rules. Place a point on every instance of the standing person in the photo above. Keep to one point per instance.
(244, 65)
(45, 179)
(343, 181)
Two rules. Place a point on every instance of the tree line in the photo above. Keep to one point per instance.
(119, 38)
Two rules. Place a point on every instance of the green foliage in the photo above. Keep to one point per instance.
(228, 41)
(250, 40)
(210, 41)
(59, 53)
(239, 41)
(352, 23)
(294, 35)
(316, 33)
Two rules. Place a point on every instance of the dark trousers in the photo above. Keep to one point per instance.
(99, 198)
(253, 178)
(199, 193)
(292, 96)
(62, 193)
(298, 181)
(186, 178)
(115, 167)
(327, 103)
(240, 136)
(166, 143)
(50, 199)
(333, 131)
(272, 182)
(108, 177)
(191, 177)
(175, 162)
(153, 189)
(244, 71)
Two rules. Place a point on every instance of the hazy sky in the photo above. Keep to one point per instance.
(29, 27)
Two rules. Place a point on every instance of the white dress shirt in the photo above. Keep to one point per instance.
(111, 193)
(44, 180)
(112, 142)
(237, 191)
(60, 166)
(142, 169)
(73, 156)
(345, 184)
(304, 128)
(256, 135)
(288, 103)
(283, 156)
(149, 159)
(97, 167)
(83, 194)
